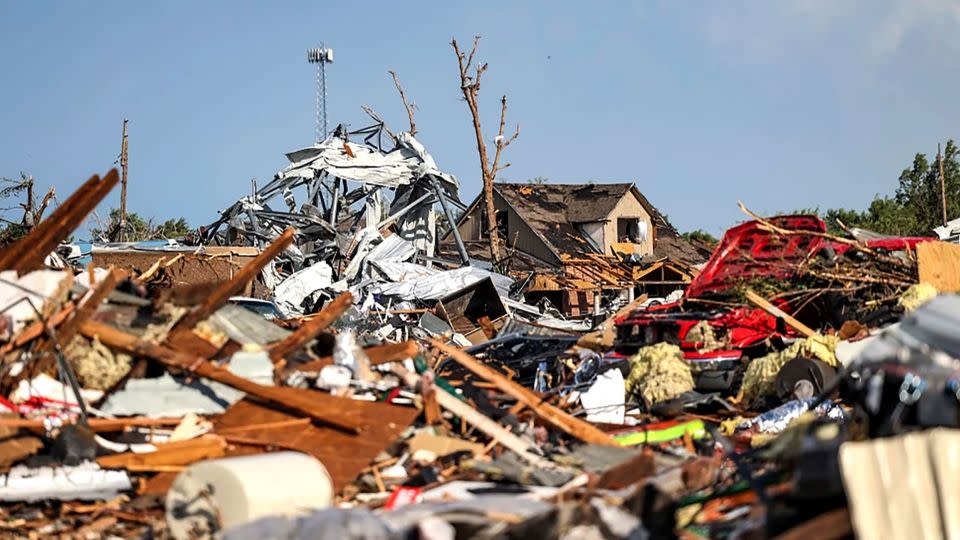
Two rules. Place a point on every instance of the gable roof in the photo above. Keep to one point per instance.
(557, 213)
(572, 203)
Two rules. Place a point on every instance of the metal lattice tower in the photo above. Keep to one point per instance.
(321, 56)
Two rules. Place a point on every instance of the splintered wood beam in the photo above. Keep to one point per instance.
(15, 253)
(89, 306)
(378, 354)
(10, 254)
(310, 328)
(391, 352)
(219, 296)
(552, 415)
(98, 425)
(61, 225)
(317, 405)
(762, 303)
(66, 332)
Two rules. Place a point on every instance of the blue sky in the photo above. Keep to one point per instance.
(786, 104)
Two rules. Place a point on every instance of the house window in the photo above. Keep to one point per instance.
(502, 221)
(631, 230)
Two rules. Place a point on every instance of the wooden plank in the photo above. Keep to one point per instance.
(552, 415)
(309, 329)
(376, 355)
(37, 249)
(89, 306)
(763, 304)
(343, 455)
(174, 453)
(939, 265)
(490, 428)
(222, 293)
(96, 424)
(391, 352)
(36, 329)
(313, 404)
(9, 255)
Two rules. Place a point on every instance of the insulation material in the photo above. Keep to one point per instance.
(703, 333)
(659, 373)
(97, 367)
(916, 296)
(761, 375)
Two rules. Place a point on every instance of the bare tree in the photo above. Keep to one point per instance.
(408, 105)
(470, 86)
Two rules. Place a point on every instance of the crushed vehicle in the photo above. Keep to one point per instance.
(720, 332)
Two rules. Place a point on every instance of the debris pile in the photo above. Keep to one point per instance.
(375, 390)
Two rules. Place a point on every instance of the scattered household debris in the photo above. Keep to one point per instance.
(329, 370)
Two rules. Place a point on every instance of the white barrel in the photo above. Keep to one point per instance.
(211, 496)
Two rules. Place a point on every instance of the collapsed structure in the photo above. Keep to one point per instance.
(397, 386)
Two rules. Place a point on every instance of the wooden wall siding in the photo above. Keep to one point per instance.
(519, 234)
(628, 207)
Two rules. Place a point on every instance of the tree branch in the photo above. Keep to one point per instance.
(499, 140)
(410, 107)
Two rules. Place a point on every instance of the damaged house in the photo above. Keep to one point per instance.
(579, 240)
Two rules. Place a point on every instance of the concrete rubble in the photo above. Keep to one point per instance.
(348, 369)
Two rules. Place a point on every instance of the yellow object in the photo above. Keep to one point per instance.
(761, 373)
(916, 296)
(659, 373)
(97, 367)
(705, 334)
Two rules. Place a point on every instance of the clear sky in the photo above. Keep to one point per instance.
(782, 104)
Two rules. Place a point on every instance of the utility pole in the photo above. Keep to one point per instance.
(943, 185)
(123, 184)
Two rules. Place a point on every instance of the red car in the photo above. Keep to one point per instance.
(747, 252)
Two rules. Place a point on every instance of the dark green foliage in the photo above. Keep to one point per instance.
(915, 208)
(702, 236)
(139, 229)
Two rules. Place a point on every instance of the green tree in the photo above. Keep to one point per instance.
(138, 228)
(915, 208)
(702, 236)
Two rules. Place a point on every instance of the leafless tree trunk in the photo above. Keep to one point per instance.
(409, 106)
(470, 86)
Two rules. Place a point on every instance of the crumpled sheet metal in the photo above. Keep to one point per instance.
(777, 420)
(408, 162)
(306, 283)
(659, 373)
(441, 284)
(761, 375)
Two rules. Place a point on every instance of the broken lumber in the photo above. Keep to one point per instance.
(30, 251)
(96, 424)
(312, 406)
(376, 355)
(552, 415)
(309, 329)
(765, 305)
(174, 453)
(938, 264)
(219, 296)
